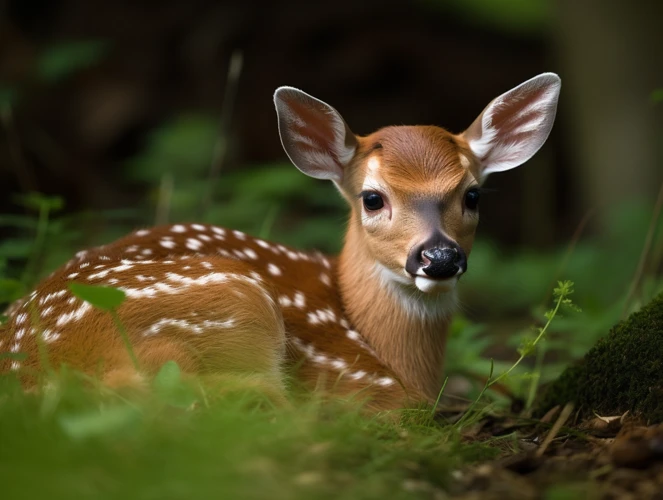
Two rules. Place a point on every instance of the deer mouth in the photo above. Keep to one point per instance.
(426, 284)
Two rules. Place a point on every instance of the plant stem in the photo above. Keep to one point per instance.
(492, 381)
(536, 378)
(536, 341)
(439, 396)
(30, 271)
(125, 337)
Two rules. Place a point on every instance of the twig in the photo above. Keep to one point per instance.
(561, 420)
(645, 251)
(163, 201)
(221, 145)
(125, 338)
(580, 228)
(23, 173)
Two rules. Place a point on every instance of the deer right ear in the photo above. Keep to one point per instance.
(514, 125)
(314, 135)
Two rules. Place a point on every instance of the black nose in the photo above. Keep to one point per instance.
(443, 262)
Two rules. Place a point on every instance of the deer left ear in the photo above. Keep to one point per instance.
(515, 125)
(314, 135)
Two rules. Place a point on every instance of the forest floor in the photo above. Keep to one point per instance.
(76, 439)
(616, 457)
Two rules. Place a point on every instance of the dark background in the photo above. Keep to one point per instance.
(105, 103)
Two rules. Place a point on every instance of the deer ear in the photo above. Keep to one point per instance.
(314, 135)
(515, 125)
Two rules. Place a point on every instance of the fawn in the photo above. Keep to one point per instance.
(373, 320)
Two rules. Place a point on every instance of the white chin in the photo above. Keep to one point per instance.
(428, 285)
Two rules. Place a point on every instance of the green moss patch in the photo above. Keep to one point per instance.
(623, 371)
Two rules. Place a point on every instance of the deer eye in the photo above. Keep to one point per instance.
(372, 201)
(472, 199)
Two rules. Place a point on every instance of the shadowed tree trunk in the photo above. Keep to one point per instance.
(613, 56)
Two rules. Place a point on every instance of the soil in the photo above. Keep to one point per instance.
(616, 457)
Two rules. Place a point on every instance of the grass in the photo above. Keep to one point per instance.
(71, 440)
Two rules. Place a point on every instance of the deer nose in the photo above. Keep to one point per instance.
(442, 262)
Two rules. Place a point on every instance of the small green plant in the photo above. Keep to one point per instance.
(528, 345)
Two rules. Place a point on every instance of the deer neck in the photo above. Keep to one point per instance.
(406, 328)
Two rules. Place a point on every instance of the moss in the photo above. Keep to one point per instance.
(623, 371)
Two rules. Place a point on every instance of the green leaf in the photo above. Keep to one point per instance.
(20, 221)
(16, 248)
(10, 290)
(168, 378)
(97, 423)
(16, 356)
(7, 97)
(657, 96)
(38, 201)
(101, 297)
(169, 386)
(60, 61)
(3, 319)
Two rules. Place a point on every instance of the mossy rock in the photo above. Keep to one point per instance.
(623, 371)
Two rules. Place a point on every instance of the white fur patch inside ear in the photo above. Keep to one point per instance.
(314, 135)
(515, 125)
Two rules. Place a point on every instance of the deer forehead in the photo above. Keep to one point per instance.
(415, 161)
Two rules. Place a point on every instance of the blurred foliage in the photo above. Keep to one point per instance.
(59, 61)
(310, 212)
(510, 16)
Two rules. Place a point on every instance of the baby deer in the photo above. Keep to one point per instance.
(373, 320)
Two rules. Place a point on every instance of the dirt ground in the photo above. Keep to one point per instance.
(557, 457)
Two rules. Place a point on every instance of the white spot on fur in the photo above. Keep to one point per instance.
(239, 235)
(324, 277)
(100, 274)
(196, 328)
(373, 164)
(167, 243)
(250, 253)
(72, 275)
(122, 267)
(262, 244)
(284, 301)
(178, 228)
(142, 232)
(273, 269)
(299, 300)
(198, 227)
(193, 244)
(74, 315)
(49, 336)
